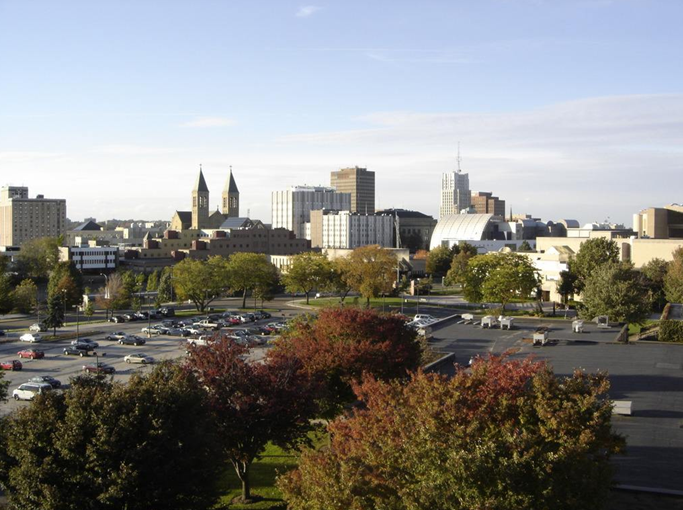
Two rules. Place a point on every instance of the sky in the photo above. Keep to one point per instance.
(565, 109)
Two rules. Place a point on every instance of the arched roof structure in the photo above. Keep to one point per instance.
(460, 227)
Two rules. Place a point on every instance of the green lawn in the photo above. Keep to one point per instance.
(634, 329)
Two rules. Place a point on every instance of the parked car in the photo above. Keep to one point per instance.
(115, 336)
(2, 332)
(261, 315)
(99, 368)
(85, 341)
(173, 331)
(132, 340)
(11, 365)
(28, 391)
(247, 317)
(31, 354)
(141, 315)
(152, 330)
(117, 319)
(30, 337)
(139, 357)
(167, 311)
(130, 317)
(46, 379)
(76, 350)
(424, 317)
(38, 327)
(155, 314)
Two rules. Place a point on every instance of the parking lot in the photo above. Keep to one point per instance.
(648, 374)
(63, 367)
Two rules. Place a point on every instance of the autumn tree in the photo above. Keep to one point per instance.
(342, 344)
(673, 281)
(341, 276)
(112, 296)
(371, 271)
(615, 290)
(592, 254)
(507, 434)
(200, 281)
(25, 296)
(145, 445)
(253, 403)
(308, 271)
(247, 271)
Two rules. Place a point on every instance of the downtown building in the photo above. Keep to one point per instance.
(483, 202)
(360, 183)
(23, 219)
(348, 230)
(291, 209)
(455, 193)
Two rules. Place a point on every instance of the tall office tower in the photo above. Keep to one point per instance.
(360, 183)
(455, 191)
(23, 218)
(200, 202)
(231, 198)
(291, 209)
(485, 203)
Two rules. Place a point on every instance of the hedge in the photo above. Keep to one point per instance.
(671, 331)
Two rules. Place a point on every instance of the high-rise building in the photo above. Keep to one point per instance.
(347, 230)
(291, 209)
(23, 219)
(360, 183)
(485, 203)
(455, 192)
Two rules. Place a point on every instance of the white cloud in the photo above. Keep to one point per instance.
(209, 122)
(307, 10)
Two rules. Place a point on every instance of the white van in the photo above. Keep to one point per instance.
(28, 391)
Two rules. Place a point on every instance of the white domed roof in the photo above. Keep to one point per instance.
(460, 227)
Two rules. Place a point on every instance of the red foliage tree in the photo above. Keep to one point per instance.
(509, 435)
(342, 344)
(254, 403)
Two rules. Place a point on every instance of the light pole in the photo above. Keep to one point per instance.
(149, 318)
(64, 302)
(78, 320)
(106, 295)
(417, 291)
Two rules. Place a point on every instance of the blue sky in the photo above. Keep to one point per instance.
(566, 109)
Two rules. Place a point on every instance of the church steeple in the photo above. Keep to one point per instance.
(200, 202)
(231, 197)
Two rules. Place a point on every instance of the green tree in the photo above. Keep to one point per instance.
(55, 313)
(165, 288)
(153, 281)
(25, 296)
(525, 246)
(200, 281)
(499, 277)
(308, 271)
(506, 435)
(248, 271)
(371, 271)
(89, 310)
(340, 279)
(146, 445)
(3, 393)
(592, 254)
(66, 280)
(39, 257)
(566, 286)
(439, 261)
(458, 268)
(615, 290)
(673, 281)
(654, 273)
(6, 295)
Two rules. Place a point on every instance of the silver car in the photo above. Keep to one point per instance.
(139, 358)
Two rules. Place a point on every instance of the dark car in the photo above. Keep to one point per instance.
(76, 350)
(99, 368)
(46, 379)
(11, 365)
(2, 332)
(117, 319)
(31, 354)
(86, 342)
(130, 317)
(132, 340)
(167, 311)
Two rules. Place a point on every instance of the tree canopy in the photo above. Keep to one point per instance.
(38, 257)
(200, 281)
(144, 445)
(593, 253)
(248, 271)
(673, 281)
(253, 403)
(615, 290)
(439, 261)
(25, 296)
(371, 271)
(508, 434)
(308, 271)
(342, 344)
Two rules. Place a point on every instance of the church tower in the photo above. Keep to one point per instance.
(231, 198)
(200, 202)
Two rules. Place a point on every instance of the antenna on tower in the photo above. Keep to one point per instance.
(459, 158)
(248, 213)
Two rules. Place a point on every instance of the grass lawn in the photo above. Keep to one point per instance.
(634, 329)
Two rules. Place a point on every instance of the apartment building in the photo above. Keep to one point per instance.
(291, 209)
(347, 230)
(23, 219)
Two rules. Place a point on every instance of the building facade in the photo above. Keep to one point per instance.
(347, 230)
(415, 228)
(455, 193)
(485, 203)
(91, 258)
(291, 209)
(659, 222)
(360, 183)
(24, 219)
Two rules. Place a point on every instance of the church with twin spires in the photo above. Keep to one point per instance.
(200, 218)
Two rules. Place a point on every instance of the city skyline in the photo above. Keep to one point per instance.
(556, 105)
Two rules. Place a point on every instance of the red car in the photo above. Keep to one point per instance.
(11, 365)
(31, 354)
(100, 368)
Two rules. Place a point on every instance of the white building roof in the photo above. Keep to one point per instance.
(460, 227)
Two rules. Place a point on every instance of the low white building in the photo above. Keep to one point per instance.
(347, 230)
(91, 259)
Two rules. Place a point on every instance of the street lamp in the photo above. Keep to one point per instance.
(64, 302)
(78, 320)
(106, 295)
(417, 290)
